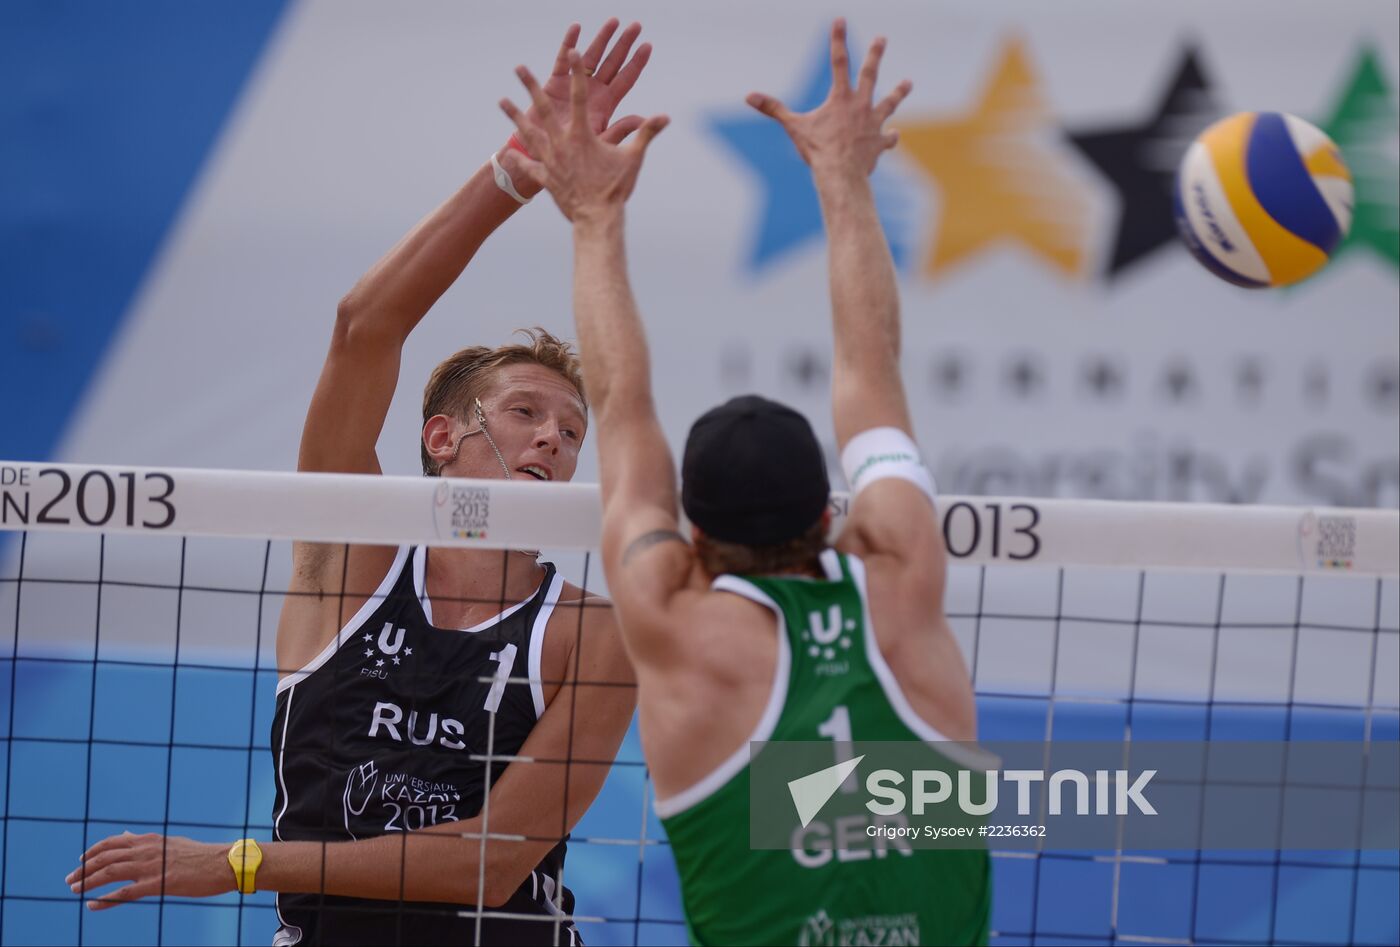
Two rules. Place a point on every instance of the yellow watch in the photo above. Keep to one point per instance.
(245, 857)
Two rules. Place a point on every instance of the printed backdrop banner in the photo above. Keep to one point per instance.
(189, 189)
(1058, 341)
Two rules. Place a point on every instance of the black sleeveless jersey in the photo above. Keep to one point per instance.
(385, 731)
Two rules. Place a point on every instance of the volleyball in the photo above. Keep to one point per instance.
(1263, 198)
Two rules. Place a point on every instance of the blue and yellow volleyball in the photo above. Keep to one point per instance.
(1263, 198)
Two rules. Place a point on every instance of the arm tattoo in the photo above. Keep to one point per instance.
(647, 540)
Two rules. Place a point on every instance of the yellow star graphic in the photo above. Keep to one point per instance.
(999, 175)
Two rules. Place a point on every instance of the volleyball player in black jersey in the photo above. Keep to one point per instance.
(396, 663)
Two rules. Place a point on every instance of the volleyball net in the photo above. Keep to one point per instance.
(139, 606)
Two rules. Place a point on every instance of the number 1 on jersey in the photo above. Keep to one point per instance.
(505, 661)
(838, 727)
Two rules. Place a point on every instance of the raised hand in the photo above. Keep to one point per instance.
(846, 132)
(610, 73)
(585, 172)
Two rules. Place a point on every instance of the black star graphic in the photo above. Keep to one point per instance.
(1384, 387)
(948, 374)
(1104, 378)
(1249, 380)
(1180, 382)
(1024, 377)
(807, 368)
(1141, 161)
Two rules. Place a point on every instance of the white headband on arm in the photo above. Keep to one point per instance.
(882, 452)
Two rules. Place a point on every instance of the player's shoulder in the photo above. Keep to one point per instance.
(584, 639)
(901, 591)
(579, 610)
(893, 526)
(576, 597)
(714, 641)
(707, 628)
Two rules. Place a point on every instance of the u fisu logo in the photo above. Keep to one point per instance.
(827, 635)
(825, 632)
(390, 639)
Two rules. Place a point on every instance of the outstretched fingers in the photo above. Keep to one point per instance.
(649, 130)
(617, 132)
(94, 861)
(543, 111)
(610, 66)
(770, 106)
(840, 58)
(891, 102)
(593, 55)
(870, 70)
(122, 870)
(111, 843)
(578, 95)
(116, 858)
(561, 58)
(627, 76)
(132, 892)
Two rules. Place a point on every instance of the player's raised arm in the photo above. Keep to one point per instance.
(361, 369)
(842, 140)
(591, 179)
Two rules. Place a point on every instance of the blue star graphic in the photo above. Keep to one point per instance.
(791, 215)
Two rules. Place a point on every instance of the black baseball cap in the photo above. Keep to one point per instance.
(753, 473)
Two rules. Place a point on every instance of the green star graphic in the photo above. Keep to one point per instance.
(1364, 125)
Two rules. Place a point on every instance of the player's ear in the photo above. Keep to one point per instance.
(438, 439)
(696, 537)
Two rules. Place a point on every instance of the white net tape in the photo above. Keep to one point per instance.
(510, 514)
(1079, 620)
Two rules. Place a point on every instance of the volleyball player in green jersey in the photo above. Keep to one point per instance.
(756, 630)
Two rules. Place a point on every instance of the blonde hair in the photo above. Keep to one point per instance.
(461, 378)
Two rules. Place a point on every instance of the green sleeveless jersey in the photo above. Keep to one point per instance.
(831, 683)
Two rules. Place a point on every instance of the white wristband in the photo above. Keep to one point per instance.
(883, 452)
(504, 182)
